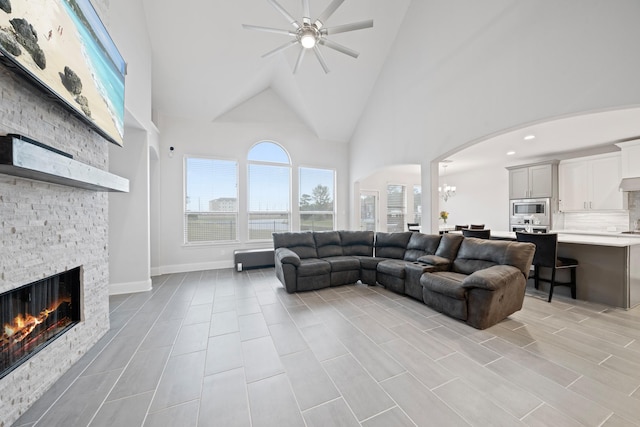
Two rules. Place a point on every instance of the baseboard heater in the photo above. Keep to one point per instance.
(253, 258)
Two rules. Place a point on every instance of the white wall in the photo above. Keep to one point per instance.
(129, 214)
(461, 70)
(264, 117)
(407, 175)
(129, 247)
(482, 197)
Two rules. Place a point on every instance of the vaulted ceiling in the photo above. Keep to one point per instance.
(205, 63)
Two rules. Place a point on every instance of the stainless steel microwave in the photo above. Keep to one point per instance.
(535, 210)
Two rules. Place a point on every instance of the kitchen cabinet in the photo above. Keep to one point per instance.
(590, 183)
(532, 181)
(630, 162)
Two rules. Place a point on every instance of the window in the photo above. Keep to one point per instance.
(211, 200)
(396, 207)
(317, 206)
(269, 191)
(417, 204)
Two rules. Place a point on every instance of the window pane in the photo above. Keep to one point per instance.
(269, 192)
(269, 188)
(261, 225)
(316, 221)
(211, 200)
(316, 201)
(396, 208)
(208, 227)
(316, 189)
(417, 204)
(268, 152)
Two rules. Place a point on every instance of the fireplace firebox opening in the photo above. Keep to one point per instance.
(34, 315)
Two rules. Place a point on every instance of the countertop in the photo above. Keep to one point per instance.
(585, 237)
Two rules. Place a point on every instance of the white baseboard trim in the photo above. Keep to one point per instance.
(188, 268)
(130, 287)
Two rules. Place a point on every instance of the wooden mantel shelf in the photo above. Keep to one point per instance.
(26, 159)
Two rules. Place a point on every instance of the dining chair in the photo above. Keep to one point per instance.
(476, 226)
(461, 227)
(480, 234)
(413, 226)
(546, 256)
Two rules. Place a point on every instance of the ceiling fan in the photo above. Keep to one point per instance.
(309, 35)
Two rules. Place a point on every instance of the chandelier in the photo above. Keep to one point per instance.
(446, 191)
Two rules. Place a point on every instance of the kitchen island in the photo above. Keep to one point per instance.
(609, 270)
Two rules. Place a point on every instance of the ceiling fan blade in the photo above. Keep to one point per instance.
(306, 13)
(280, 48)
(328, 12)
(321, 60)
(284, 13)
(339, 48)
(268, 30)
(348, 27)
(299, 61)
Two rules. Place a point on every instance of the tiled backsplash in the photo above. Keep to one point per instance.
(601, 221)
(592, 221)
(634, 210)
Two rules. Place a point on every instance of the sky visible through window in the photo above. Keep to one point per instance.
(211, 179)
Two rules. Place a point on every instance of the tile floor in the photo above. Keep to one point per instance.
(220, 348)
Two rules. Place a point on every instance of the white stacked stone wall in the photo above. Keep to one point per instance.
(46, 229)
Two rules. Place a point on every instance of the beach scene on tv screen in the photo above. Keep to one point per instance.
(63, 44)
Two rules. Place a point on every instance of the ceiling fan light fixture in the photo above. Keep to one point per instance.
(308, 38)
(309, 34)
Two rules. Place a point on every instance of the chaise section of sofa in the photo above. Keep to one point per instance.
(485, 284)
(297, 264)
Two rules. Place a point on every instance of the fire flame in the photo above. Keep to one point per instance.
(24, 324)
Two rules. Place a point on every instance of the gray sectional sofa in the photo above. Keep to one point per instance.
(478, 281)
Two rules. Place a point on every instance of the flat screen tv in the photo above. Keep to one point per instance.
(64, 48)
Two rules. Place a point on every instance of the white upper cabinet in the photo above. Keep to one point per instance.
(590, 183)
(630, 158)
(534, 181)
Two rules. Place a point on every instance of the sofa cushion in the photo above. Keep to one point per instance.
(301, 243)
(328, 244)
(392, 245)
(343, 263)
(449, 245)
(357, 242)
(313, 267)
(420, 245)
(446, 283)
(369, 263)
(393, 267)
(475, 254)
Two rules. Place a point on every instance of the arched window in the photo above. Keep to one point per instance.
(269, 188)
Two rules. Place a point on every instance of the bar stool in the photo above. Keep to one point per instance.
(480, 234)
(546, 255)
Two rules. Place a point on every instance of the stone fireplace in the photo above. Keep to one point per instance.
(46, 229)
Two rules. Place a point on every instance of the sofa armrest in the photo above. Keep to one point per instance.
(441, 262)
(493, 278)
(287, 256)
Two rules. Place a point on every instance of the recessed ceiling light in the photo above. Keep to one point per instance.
(529, 137)
(510, 153)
